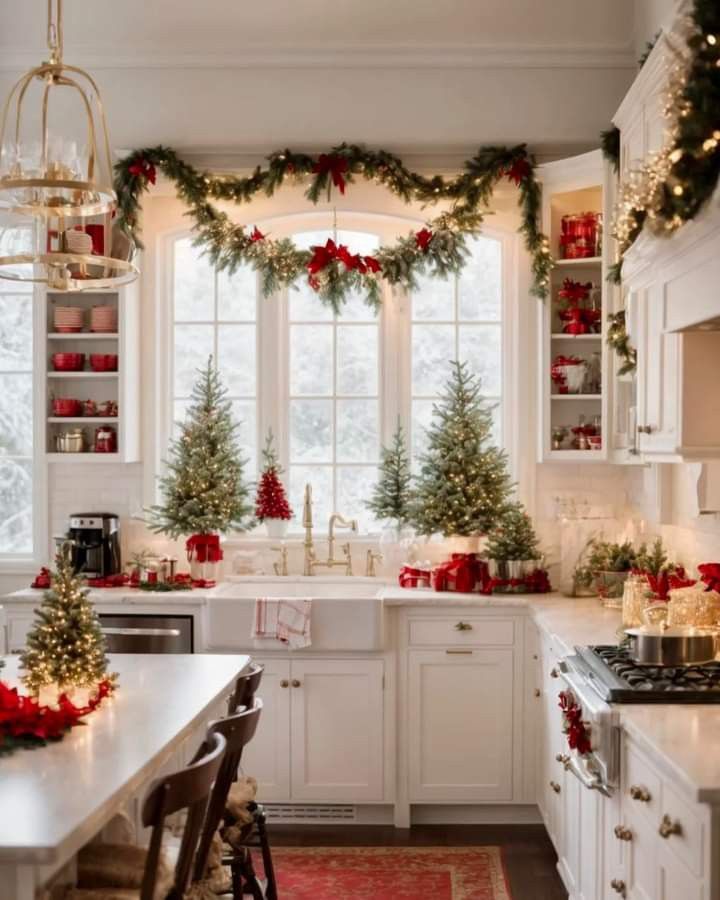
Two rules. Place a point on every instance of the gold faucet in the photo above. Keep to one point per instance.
(281, 568)
(371, 558)
(307, 521)
(331, 562)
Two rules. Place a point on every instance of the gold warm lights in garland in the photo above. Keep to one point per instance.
(52, 188)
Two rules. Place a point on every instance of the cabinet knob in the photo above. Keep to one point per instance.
(622, 833)
(618, 885)
(284, 683)
(641, 794)
(296, 683)
(555, 786)
(537, 692)
(463, 626)
(554, 673)
(668, 827)
(644, 429)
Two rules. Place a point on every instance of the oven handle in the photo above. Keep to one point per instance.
(145, 632)
(591, 782)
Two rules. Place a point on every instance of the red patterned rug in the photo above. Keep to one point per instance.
(390, 873)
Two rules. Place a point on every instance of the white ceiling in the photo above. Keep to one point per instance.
(163, 32)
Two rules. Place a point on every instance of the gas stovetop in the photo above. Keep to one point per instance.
(617, 678)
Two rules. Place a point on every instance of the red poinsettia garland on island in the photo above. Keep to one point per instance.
(577, 732)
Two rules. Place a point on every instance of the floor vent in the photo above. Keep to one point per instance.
(291, 812)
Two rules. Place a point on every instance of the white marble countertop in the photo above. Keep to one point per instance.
(57, 797)
(101, 596)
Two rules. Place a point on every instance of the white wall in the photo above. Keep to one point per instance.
(650, 17)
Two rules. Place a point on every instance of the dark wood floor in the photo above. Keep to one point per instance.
(529, 856)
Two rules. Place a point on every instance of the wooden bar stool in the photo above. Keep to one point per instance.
(245, 688)
(188, 789)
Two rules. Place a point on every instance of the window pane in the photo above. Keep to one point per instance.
(193, 346)
(480, 347)
(357, 359)
(311, 430)
(480, 282)
(16, 506)
(237, 358)
(321, 479)
(421, 418)
(16, 415)
(194, 292)
(245, 414)
(305, 305)
(434, 299)
(355, 309)
(357, 430)
(433, 347)
(311, 360)
(354, 488)
(496, 432)
(15, 331)
(237, 295)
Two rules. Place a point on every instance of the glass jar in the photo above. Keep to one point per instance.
(634, 601)
(694, 606)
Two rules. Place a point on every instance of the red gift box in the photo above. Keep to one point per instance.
(412, 577)
(463, 573)
(205, 547)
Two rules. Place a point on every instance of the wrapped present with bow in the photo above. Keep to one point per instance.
(462, 573)
(204, 548)
(710, 575)
(414, 577)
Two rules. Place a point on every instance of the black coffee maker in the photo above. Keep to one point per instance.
(95, 544)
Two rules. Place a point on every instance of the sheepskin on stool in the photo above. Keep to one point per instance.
(241, 793)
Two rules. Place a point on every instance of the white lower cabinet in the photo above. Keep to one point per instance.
(460, 724)
(321, 735)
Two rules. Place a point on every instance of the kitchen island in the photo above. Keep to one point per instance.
(56, 798)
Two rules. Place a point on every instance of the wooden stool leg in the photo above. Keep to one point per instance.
(250, 878)
(237, 880)
(270, 887)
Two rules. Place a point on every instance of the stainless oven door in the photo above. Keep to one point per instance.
(147, 634)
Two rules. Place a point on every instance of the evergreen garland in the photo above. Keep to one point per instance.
(438, 249)
(65, 645)
(610, 146)
(204, 490)
(391, 496)
(619, 341)
(463, 485)
(513, 537)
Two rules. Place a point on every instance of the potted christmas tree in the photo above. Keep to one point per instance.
(391, 499)
(204, 493)
(463, 485)
(271, 504)
(513, 544)
(66, 652)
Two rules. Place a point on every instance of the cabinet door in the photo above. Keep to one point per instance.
(18, 625)
(641, 864)
(267, 756)
(337, 730)
(460, 725)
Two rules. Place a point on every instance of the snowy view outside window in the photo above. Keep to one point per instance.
(334, 404)
(460, 318)
(214, 313)
(16, 420)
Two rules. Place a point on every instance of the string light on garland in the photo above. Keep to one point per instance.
(438, 249)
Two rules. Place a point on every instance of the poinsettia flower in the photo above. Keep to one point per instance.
(423, 238)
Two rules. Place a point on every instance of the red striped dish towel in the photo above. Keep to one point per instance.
(285, 619)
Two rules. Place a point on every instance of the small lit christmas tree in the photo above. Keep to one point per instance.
(271, 501)
(204, 490)
(65, 646)
(464, 485)
(513, 537)
(392, 494)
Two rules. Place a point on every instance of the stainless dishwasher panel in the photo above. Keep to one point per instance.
(139, 633)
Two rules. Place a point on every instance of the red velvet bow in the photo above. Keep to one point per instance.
(574, 291)
(518, 171)
(42, 579)
(411, 577)
(710, 575)
(257, 235)
(143, 168)
(423, 238)
(335, 165)
(324, 255)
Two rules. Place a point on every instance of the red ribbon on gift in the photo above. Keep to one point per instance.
(336, 166)
(461, 573)
(109, 581)
(205, 547)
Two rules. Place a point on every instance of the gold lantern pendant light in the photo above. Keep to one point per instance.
(57, 203)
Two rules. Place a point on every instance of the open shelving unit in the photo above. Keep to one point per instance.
(121, 387)
(572, 186)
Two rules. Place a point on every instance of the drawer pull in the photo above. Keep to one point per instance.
(537, 692)
(554, 673)
(463, 626)
(618, 885)
(641, 794)
(296, 683)
(459, 652)
(644, 429)
(622, 833)
(555, 786)
(284, 683)
(668, 827)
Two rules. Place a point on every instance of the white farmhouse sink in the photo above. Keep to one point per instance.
(347, 612)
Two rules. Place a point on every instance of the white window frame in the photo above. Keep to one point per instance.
(394, 357)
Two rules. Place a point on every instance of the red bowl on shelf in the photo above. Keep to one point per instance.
(103, 362)
(68, 362)
(66, 406)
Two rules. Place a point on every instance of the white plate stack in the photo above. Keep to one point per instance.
(103, 319)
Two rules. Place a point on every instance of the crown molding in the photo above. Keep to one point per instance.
(339, 56)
